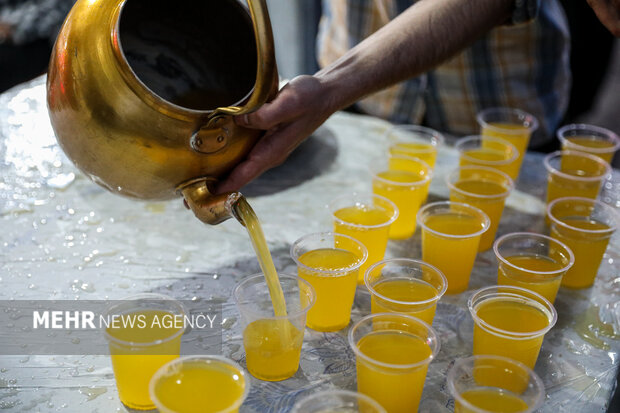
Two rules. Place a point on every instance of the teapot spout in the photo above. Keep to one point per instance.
(207, 207)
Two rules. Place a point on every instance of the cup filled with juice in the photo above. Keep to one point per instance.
(143, 343)
(416, 141)
(273, 343)
(491, 152)
(340, 401)
(591, 139)
(330, 263)
(510, 322)
(585, 225)
(367, 218)
(532, 261)
(451, 234)
(393, 352)
(571, 173)
(406, 286)
(403, 180)
(192, 384)
(513, 125)
(494, 384)
(484, 188)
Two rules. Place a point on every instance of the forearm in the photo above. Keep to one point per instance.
(423, 36)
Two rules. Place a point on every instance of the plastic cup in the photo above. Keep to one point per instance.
(493, 384)
(406, 286)
(343, 401)
(484, 188)
(214, 383)
(585, 225)
(491, 152)
(403, 180)
(138, 352)
(330, 263)
(451, 234)
(393, 352)
(513, 125)
(532, 261)
(273, 344)
(571, 173)
(591, 139)
(416, 141)
(367, 218)
(511, 322)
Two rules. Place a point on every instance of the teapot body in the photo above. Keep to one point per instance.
(141, 93)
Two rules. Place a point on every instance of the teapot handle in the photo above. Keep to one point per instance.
(266, 66)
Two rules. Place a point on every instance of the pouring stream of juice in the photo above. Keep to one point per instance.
(246, 215)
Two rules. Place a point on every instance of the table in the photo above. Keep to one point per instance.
(63, 237)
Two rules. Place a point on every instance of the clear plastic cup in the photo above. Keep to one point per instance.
(585, 225)
(451, 234)
(491, 152)
(273, 344)
(403, 180)
(493, 384)
(367, 218)
(591, 139)
(138, 352)
(532, 261)
(330, 263)
(513, 125)
(406, 286)
(393, 352)
(484, 188)
(417, 141)
(571, 173)
(215, 383)
(510, 322)
(343, 401)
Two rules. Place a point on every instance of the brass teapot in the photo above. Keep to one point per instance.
(141, 94)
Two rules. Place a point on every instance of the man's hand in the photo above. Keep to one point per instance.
(297, 111)
(608, 12)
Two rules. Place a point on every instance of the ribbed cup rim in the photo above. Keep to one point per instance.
(404, 262)
(513, 293)
(375, 170)
(528, 120)
(612, 137)
(436, 139)
(356, 199)
(432, 335)
(532, 235)
(179, 361)
(459, 147)
(295, 256)
(316, 398)
(487, 169)
(551, 169)
(463, 207)
(594, 202)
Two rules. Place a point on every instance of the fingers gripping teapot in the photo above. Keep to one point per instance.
(141, 94)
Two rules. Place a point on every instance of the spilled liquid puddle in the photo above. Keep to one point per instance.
(593, 330)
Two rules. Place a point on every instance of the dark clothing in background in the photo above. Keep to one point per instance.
(28, 29)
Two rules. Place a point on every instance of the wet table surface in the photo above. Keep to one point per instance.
(64, 237)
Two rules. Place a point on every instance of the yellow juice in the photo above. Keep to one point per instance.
(199, 387)
(423, 151)
(453, 256)
(587, 248)
(561, 186)
(334, 291)
(406, 290)
(491, 400)
(512, 316)
(397, 390)
(493, 207)
(587, 143)
(518, 135)
(134, 368)
(369, 227)
(272, 348)
(408, 198)
(481, 157)
(545, 285)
